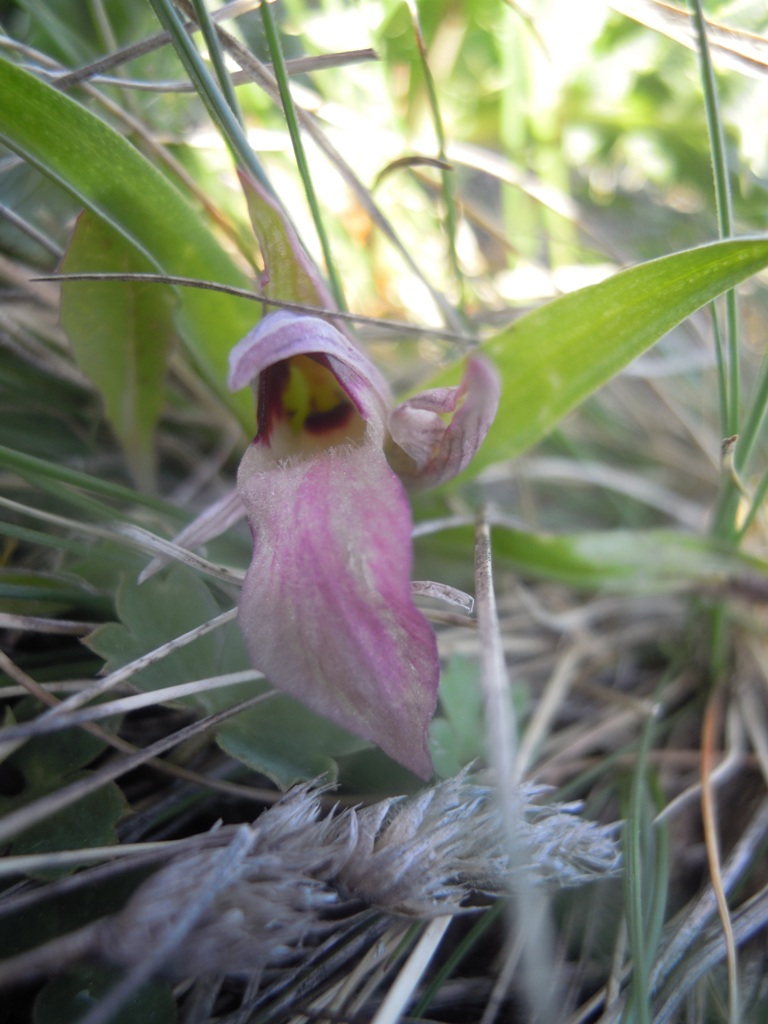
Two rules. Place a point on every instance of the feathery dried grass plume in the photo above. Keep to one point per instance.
(421, 857)
(274, 893)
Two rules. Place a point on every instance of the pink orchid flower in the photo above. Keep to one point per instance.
(326, 609)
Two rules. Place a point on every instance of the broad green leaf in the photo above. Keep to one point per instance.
(287, 742)
(165, 607)
(112, 179)
(58, 754)
(121, 334)
(289, 273)
(639, 561)
(631, 561)
(69, 998)
(550, 360)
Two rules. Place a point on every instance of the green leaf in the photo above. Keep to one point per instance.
(287, 742)
(121, 333)
(69, 998)
(59, 754)
(631, 561)
(31, 926)
(459, 737)
(112, 179)
(553, 358)
(165, 607)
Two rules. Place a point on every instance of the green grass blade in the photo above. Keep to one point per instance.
(751, 431)
(217, 58)
(553, 358)
(635, 884)
(722, 370)
(33, 470)
(761, 491)
(455, 958)
(278, 63)
(446, 172)
(655, 913)
(727, 507)
(43, 539)
(629, 561)
(219, 109)
(724, 208)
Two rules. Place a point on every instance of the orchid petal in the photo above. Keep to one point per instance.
(285, 334)
(326, 608)
(289, 273)
(438, 450)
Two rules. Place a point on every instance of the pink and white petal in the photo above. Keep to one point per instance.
(284, 334)
(326, 608)
(439, 450)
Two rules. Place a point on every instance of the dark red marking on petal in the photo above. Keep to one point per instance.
(332, 419)
(272, 381)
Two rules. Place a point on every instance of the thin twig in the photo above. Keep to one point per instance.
(133, 536)
(123, 705)
(124, 673)
(297, 307)
(39, 624)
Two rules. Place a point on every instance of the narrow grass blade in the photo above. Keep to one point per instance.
(291, 120)
(34, 470)
(637, 884)
(446, 170)
(217, 58)
(630, 561)
(219, 109)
